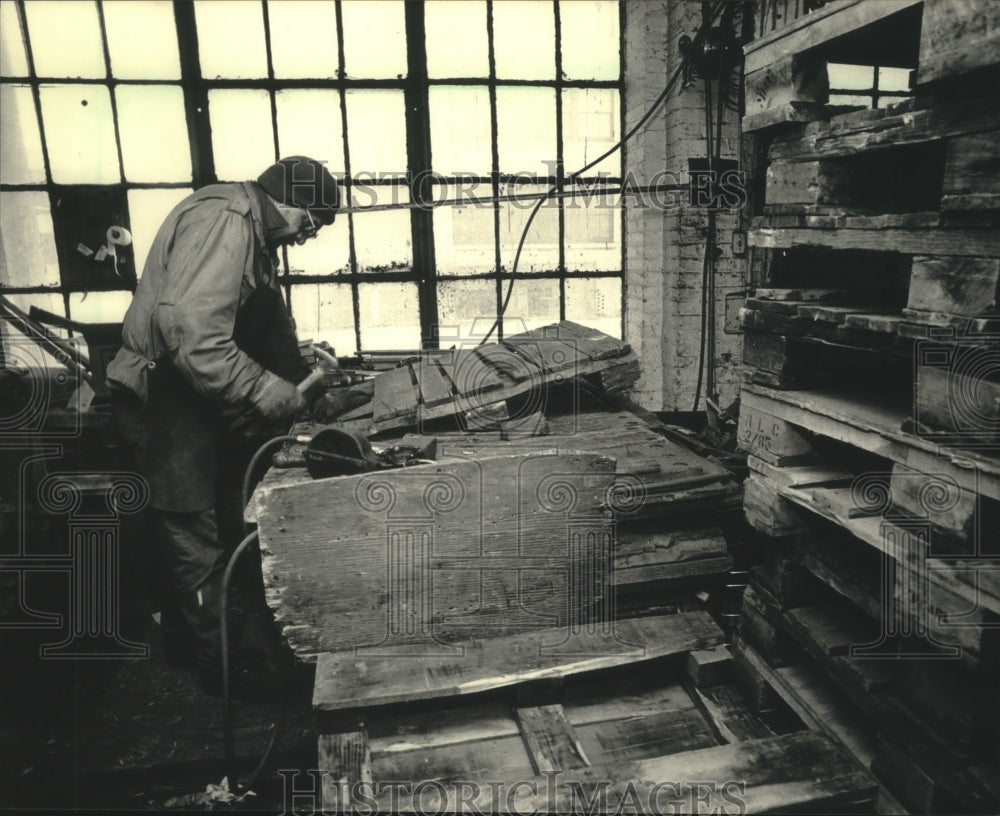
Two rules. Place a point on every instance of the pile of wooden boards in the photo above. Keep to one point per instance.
(871, 409)
(474, 383)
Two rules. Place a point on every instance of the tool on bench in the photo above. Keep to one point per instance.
(339, 451)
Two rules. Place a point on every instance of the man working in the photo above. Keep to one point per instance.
(207, 371)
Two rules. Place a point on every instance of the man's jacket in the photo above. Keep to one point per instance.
(206, 262)
(207, 333)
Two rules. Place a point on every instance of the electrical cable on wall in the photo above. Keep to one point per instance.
(699, 37)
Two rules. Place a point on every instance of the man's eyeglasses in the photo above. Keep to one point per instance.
(307, 232)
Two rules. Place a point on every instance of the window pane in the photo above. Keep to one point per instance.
(147, 210)
(533, 303)
(390, 316)
(524, 39)
(541, 245)
(230, 38)
(21, 155)
(850, 77)
(853, 101)
(303, 39)
(50, 302)
(457, 45)
(595, 302)
(590, 127)
(460, 130)
(21, 351)
(325, 311)
(154, 134)
(309, 124)
(326, 254)
(65, 39)
(894, 79)
(374, 40)
(589, 40)
(465, 308)
(13, 61)
(99, 307)
(376, 131)
(142, 40)
(526, 149)
(242, 140)
(593, 240)
(80, 134)
(382, 240)
(28, 250)
(464, 241)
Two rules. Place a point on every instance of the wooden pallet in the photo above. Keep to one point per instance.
(903, 709)
(609, 735)
(475, 383)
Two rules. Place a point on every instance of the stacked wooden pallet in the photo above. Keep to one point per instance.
(475, 384)
(871, 411)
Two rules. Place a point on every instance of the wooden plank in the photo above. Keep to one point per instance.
(775, 773)
(550, 353)
(492, 758)
(551, 742)
(725, 707)
(771, 439)
(344, 680)
(937, 500)
(972, 171)
(345, 763)
(916, 241)
(469, 372)
(395, 394)
(844, 136)
(766, 510)
(646, 736)
(413, 554)
(434, 385)
(954, 285)
(950, 401)
(957, 36)
(709, 667)
(787, 115)
(784, 82)
(874, 426)
(590, 342)
(834, 20)
(817, 182)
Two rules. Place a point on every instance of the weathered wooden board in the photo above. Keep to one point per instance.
(414, 554)
(433, 382)
(917, 241)
(771, 439)
(395, 394)
(846, 135)
(552, 743)
(960, 396)
(345, 680)
(937, 500)
(727, 710)
(776, 773)
(958, 286)
(347, 763)
(957, 36)
(972, 170)
(817, 182)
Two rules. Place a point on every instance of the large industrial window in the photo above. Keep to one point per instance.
(114, 111)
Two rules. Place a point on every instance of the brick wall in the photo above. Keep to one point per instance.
(664, 248)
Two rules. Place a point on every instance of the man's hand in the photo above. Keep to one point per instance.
(280, 401)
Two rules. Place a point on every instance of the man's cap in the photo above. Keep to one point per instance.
(299, 181)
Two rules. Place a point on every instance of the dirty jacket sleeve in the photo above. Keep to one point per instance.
(211, 272)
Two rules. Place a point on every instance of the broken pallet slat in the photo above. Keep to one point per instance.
(346, 762)
(395, 394)
(551, 742)
(344, 680)
(434, 385)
